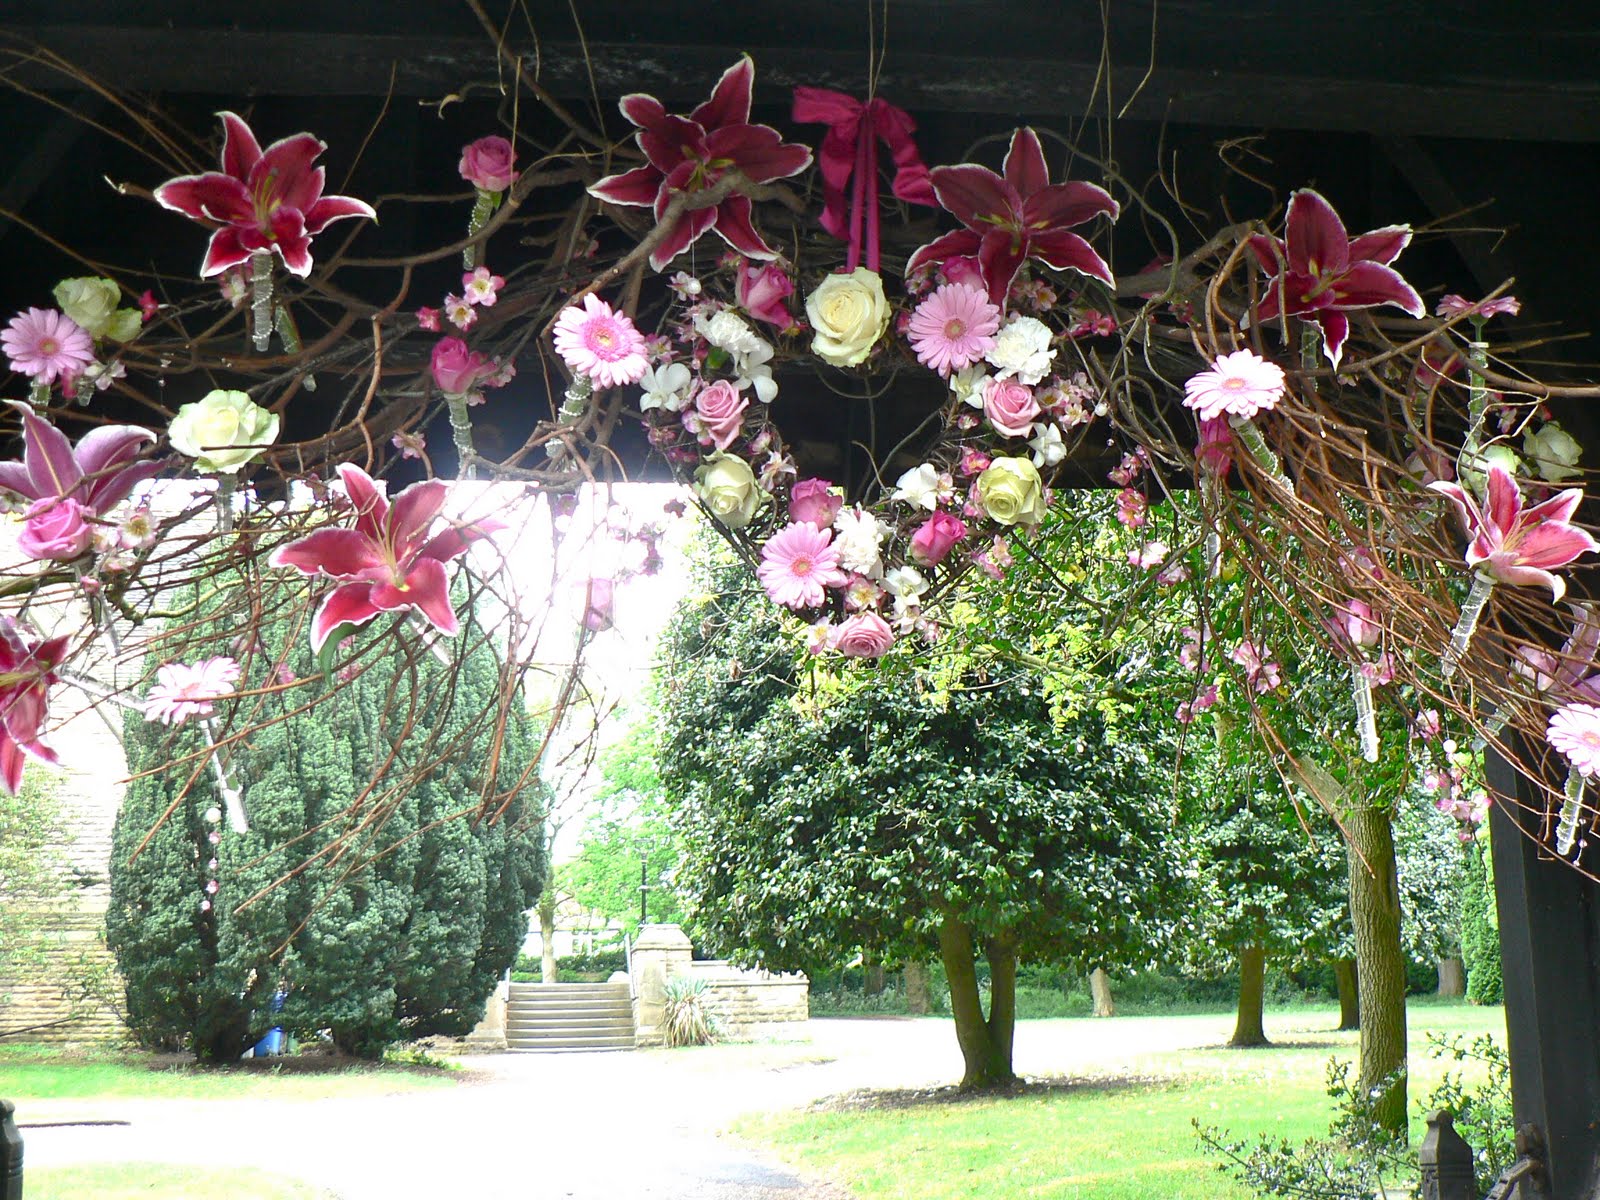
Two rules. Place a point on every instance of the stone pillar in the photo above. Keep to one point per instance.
(490, 1033)
(659, 953)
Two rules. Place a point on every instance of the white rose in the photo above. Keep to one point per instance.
(223, 431)
(1554, 452)
(848, 315)
(1475, 467)
(727, 485)
(1022, 349)
(91, 302)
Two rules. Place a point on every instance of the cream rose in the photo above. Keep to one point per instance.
(91, 302)
(848, 315)
(1554, 452)
(728, 487)
(1011, 492)
(222, 432)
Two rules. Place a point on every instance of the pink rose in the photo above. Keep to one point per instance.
(963, 268)
(487, 163)
(456, 369)
(936, 537)
(761, 292)
(597, 609)
(865, 635)
(56, 528)
(721, 412)
(1215, 450)
(1010, 406)
(813, 500)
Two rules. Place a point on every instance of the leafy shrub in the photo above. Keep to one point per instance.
(688, 1021)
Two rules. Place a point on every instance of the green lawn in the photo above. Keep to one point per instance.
(1121, 1133)
(35, 1075)
(156, 1181)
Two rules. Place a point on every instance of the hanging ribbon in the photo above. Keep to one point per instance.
(850, 149)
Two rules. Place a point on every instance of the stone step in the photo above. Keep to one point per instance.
(574, 1010)
(569, 989)
(568, 1043)
(528, 1033)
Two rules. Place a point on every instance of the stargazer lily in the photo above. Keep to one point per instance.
(263, 200)
(98, 472)
(27, 671)
(1320, 272)
(1016, 216)
(389, 561)
(693, 153)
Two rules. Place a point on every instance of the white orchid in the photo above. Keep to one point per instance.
(666, 387)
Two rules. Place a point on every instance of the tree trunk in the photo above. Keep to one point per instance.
(547, 935)
(1344, 978)
(918, 1002)
(1247, 1027)
(987, 1061)
(1100, 993)
(872, 976)
(1452, 977)
(1380, 962)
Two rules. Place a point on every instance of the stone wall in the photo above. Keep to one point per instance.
(748, 1003)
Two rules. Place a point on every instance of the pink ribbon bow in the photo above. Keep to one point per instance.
(851, 147)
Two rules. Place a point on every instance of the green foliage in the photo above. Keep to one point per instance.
(687, 1021)
(1360, 1158)
(1480, 930)
(32, 868)
(381, 911)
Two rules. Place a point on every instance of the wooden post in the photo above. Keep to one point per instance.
(1444, 1162)
(10, 1154)
(1549, 951)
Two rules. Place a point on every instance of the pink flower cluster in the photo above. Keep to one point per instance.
(182, 690)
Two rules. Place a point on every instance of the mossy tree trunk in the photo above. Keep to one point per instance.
(1247, 1025)
(1452, 977)
(1105, 1005)
(986, 1043)
(918, 1000)
(1380, 962)
(1344, 978)
(547, 933)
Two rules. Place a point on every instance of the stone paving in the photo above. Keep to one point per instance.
(588, 1126)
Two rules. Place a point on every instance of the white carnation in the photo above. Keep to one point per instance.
(857, 536)
(1022, 349)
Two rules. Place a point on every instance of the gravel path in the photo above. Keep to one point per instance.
(619, 1126)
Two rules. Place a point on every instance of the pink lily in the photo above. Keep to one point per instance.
(263, 200)
(97, 473)
(389, 560)
(1320, 272)
(1517, 545)
(1013, 217)
(27, 672)
(691, 154)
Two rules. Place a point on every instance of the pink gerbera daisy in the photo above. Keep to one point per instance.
(183, 691)
(1575, 732)
(797, 563)
(600, 343)
(1239, 385)
(953, 328)
(47, 345)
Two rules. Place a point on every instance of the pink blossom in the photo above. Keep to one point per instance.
(861, 593)
(995, 560)
(182, 691)
(864, 635)
(481, 286)
(761, 292)
(797, 563)
(457, 370)
(1238, 385)
(935, 538)
(1428, 724)
(953, 328)
(1453, 305)
(461, 312)
(487, 164)
(973, 461)
(1132, 508)
(56, 528)
(1151, 554)
(1174, 573)
(428, 318)
(814, 501)
(1190, 654)
(1190, 709)
(387, 562)
(27, 670)
(598, 602)
(719, 412)
(1574, 731)
(263, 200)
(47, 345)
(1379, 671)
(410, 445)
(602, 344)
(1517, 545)
(1127, 472)
(1262, 675)
(149, 306)
(1010, 406)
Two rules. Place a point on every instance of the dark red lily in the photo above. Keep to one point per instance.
(98, 472)
(27, 671)
(1016, 216)
(388, 559)
(690, 154)
(263, 200)
(1320, 272)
